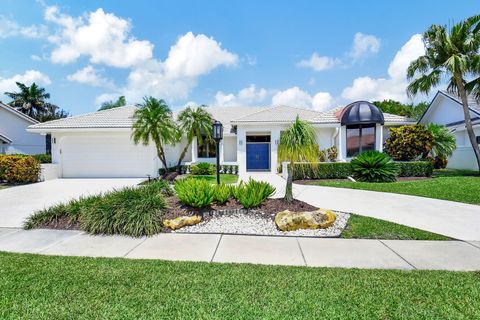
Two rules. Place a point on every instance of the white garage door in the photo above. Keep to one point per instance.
(105, 156)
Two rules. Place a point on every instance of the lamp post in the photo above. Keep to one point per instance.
(217, 136)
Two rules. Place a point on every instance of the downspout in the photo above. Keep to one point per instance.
(334, 136)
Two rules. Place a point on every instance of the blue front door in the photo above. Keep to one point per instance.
(258, 156)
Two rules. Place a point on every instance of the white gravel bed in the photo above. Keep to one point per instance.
(258, 224)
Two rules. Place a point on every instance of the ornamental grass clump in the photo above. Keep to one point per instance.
(374, 166)
(197, 193)
(253, 193)
(223, 192)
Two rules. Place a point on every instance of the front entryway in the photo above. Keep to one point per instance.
(258, 152)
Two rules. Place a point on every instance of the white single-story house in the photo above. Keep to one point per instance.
(14, 137)
(446, 109)
(99, 144)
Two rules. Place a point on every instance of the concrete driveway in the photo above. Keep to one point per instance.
(17, 203)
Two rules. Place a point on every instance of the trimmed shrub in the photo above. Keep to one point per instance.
(222, 193)
(407, 143)
(322, 156)
(253, 193)
(163, 171)
(332, 153)
(234, 169)
(202, 168)
(19, 169)
(197, 193)
(414, 168)
(133, 211)
(43, 157)
(374, 166)
(324, 170)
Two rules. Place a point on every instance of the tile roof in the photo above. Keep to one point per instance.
(123, 117)
(5, 139)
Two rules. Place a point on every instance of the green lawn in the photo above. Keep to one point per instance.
(370, 228)
(46, 287)
(225, 178)
(454, 185)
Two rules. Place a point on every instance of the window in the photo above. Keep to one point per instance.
(360, 138)
(208, 149)
(257, 139)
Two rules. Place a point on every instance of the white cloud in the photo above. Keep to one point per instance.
(103, 37)
(364, 45)
(10, 28)
(295, 97)
(91, 76)
(319, 63)
(392, 87)
(27, 78)
(35, 57)
(245, 97)
(195, 55)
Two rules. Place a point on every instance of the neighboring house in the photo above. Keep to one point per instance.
(14, 137)
(99, 144)
(446, 109)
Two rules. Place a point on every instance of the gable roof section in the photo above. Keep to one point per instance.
(4, 139)
(17, 113)
(121, 117)
(473, 104)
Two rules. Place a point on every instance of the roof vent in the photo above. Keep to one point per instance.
(361, 112)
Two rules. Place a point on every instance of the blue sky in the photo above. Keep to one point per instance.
(309, 54)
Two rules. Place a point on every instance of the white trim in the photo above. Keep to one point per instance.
(18, 113)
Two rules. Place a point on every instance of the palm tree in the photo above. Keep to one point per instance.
(443, 141)
(30, 100)
(154, 122)
(194, 122)
(297, 144)
(452, 54)
(121, 101)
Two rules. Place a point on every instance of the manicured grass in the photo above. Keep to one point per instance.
(370, 228)
(46, 287)
(460, 186)
(225, 178)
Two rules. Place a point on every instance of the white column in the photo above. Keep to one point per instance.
(241, 150)
(274, 141)
(220, 147)
(342, 143)
(379, 137)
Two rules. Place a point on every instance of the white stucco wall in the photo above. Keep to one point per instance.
(230, 149)
(463, 157)
(14, 127)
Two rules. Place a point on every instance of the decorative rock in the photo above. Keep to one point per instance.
(290, 221)
(181, 222)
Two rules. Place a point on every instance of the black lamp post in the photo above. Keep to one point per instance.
(217, 136)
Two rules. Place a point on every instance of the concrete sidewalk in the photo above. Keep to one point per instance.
(312, 252)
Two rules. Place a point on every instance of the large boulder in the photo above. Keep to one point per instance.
(181, 222)
(290, 221)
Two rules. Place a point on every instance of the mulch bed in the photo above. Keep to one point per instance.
(62, 223)
(399, 179)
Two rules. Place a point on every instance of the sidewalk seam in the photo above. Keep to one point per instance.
(135, 247)
(396, 253)
(301, 252)
(216, 248)
(58, 242)
(468, 242)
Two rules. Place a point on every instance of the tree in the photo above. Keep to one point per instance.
(154, 122)
(194, 122)
(121, 101)
(443, 141)
(401, 109)
(29, 100)
(32, 100)
(451, 54)
(297, 144)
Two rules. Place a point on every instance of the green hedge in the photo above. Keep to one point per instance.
(322, 170)
(415, 168)
(341, 170)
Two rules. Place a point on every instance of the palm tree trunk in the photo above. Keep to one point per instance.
(289, 189)
(182, 155)
(468, 120)
(161, 156)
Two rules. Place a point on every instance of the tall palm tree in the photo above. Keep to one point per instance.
(29, 100)
(297, 144)
(154, 122)
(120, 102)
(443, 141)
(194, 122)
(452, 54)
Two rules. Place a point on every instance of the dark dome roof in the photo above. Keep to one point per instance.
(359, 112)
